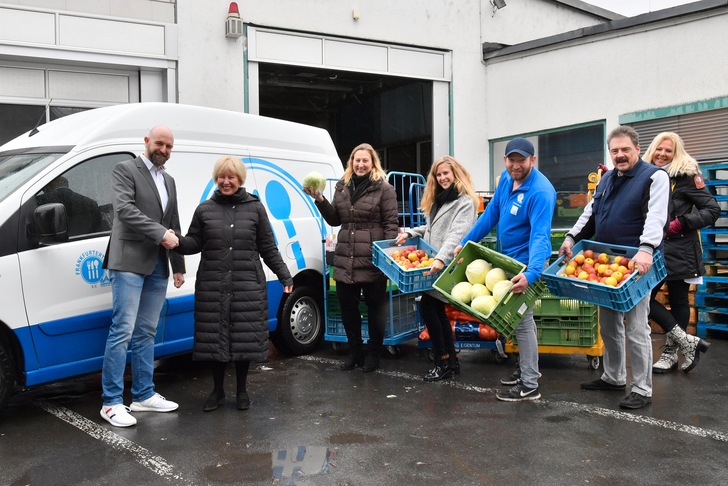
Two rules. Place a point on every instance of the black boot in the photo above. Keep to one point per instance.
(371, 362)
(243, 402)
(440, 371)
(453, 364)
(215, 399)
(355, 358)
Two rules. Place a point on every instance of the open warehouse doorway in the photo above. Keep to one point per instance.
(394, 114)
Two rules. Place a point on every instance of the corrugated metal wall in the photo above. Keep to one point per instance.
(705, 133)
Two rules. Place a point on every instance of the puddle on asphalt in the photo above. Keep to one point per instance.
(298, 462)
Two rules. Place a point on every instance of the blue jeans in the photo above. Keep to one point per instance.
(137, 302)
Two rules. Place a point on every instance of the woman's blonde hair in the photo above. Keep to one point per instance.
(463, 183)
(680, 160)
(233, 165)
(377, 172)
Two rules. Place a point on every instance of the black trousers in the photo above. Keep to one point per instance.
(432, 312)
(377, 302)
(679, 313)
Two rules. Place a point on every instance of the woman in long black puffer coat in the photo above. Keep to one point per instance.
(233, 232)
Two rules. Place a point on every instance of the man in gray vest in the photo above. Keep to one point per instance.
(145, 219)
(629, 208)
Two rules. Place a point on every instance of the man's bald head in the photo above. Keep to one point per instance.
(159, 144)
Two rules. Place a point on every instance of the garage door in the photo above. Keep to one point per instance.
(705, 133)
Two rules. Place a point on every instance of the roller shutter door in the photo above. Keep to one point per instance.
(705, 133)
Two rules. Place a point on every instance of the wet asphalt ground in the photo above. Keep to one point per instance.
(312, 424)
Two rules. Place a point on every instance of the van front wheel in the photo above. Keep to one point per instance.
(300, 322)
(7, 373)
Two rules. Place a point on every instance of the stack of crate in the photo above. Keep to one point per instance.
(711, 298)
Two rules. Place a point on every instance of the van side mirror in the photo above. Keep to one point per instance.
(51, 223)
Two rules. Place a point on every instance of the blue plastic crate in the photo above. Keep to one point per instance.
(620, 299)
(402, 324)
(407, 281)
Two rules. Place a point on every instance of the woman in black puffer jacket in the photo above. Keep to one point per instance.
(232, 231)
(365, 206)
(692, 207)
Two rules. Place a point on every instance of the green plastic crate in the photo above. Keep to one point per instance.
(550, 306)
(490, 242)
(557, 238)
(567, 331)
(506, 315)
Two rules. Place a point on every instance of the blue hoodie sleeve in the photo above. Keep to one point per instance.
(541, 211)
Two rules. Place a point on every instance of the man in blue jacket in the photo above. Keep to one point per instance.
(522, 207)
(629, 208)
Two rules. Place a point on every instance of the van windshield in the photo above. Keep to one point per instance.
(17, 168)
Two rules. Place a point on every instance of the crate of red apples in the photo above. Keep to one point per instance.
(603, 274)
(407, 265)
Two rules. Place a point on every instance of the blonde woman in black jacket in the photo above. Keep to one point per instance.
(692, 207)
(365, 206)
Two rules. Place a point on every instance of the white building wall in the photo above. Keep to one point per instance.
(521, 21)
(88, 54)
(181, 53)
(603, 77)
(214, 77)
(153, 10)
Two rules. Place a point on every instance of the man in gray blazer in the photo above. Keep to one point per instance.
(137, 257)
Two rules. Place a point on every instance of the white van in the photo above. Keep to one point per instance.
(55, 299)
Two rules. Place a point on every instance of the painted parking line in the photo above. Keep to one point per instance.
(156, 464)
(603, 412)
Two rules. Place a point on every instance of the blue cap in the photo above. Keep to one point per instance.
(520, 146)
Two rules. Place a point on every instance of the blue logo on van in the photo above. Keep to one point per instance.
(279, 205)
(280, 194)
(88, 266)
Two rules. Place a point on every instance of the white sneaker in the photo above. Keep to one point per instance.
(117, 415)
(155, 403)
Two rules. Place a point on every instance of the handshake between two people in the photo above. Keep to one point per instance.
(170, 240)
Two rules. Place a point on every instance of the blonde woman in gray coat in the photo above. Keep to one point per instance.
(450, 206)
